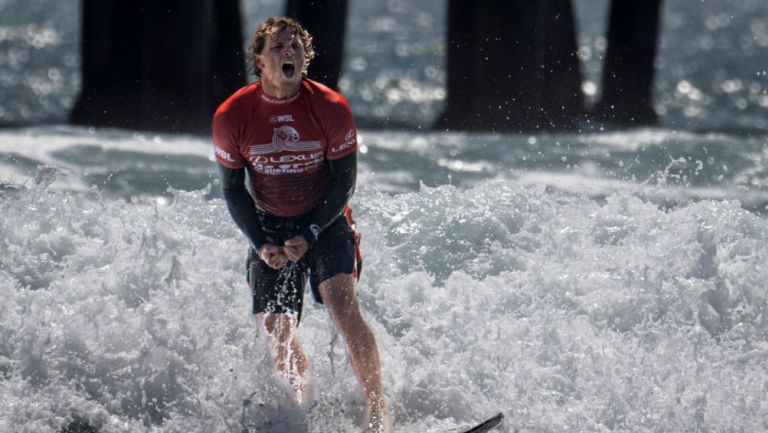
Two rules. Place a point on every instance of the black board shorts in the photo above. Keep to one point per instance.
(282, 290)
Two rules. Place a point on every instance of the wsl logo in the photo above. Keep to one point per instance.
(285, 138)
(223, 154)
(280, 118)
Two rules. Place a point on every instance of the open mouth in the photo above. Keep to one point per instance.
(289, 70)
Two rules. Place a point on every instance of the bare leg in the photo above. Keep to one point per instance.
(290, 360)
(339, 295)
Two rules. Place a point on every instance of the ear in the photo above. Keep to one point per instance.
(259, 62)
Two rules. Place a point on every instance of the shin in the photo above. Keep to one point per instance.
(339, 294)
(290, 360)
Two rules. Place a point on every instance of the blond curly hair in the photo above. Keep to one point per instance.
(271, 26)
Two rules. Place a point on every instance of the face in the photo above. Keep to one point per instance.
(281, 62)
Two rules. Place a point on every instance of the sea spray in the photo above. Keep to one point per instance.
(566, 313)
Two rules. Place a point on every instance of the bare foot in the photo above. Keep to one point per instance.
(377, 418)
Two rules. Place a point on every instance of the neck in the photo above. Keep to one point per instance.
(279, 92)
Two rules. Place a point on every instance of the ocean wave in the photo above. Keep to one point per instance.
(564, 312)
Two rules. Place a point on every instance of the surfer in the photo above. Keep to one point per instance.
(297, 142)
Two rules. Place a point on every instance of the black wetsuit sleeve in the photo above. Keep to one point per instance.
(344, 174)
(241, 206)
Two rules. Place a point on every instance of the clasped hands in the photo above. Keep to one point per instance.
(276, 256)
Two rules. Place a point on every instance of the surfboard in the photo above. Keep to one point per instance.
(487, 425)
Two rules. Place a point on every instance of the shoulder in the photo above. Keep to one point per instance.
(239, 103)
(320, 94)
(231, 116)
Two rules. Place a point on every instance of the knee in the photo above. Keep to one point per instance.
(271, 324)
(340, 297)
(342, 304)
(347, 318)
(344, 312)
(279, 327)
(339, 294)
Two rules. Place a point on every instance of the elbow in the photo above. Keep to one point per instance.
(227, 192)
(350, 192)
(351, 188)
(233, 193)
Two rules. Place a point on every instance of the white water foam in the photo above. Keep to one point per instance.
(566, 314)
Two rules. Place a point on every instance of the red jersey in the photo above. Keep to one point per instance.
(284, 143)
